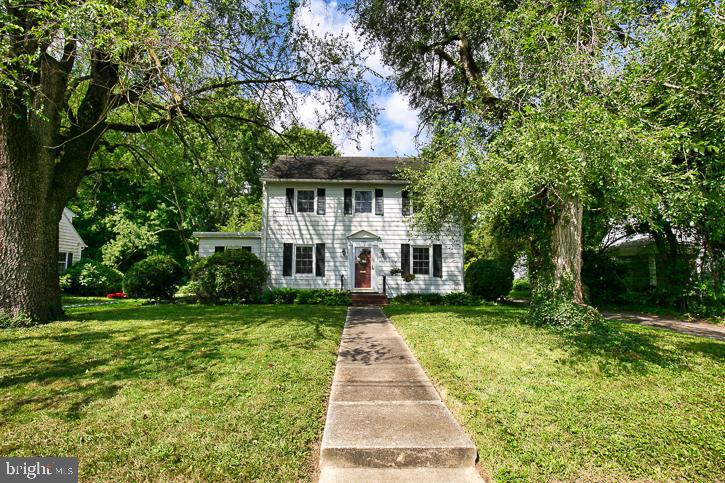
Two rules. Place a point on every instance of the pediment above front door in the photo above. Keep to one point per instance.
(363, 235)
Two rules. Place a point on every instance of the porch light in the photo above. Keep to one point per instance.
(382, 252)
(344, 252)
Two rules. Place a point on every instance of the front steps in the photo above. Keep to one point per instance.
(363, 299)
(385, 420)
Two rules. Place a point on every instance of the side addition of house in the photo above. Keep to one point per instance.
(70, 243)
(344, 222)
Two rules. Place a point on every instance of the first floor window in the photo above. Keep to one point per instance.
(64, 261)
(421, 261)
(363, 202)
(305, 201)
(218, 249)
(303, 259)
(246, 248)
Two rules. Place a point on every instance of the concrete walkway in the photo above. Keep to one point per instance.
(702, 329)
(385, 420)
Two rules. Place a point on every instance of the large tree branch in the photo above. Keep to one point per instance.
(83, 138)
(244, 82)
(141, 128)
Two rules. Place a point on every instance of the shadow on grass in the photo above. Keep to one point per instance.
(66, 366)
(713, 350)
(616, 347)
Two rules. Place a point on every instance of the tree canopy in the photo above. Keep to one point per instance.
(76, 77)
(544, 111)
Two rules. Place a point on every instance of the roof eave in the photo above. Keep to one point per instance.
(227, 234)
(335, 181)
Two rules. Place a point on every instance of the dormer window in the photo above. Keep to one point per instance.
(363, 201)
(305, 201)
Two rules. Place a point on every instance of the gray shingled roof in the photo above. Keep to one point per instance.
(337, 168)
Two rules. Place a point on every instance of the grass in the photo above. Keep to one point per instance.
(172, 392)
(74, 299)
(628, 403)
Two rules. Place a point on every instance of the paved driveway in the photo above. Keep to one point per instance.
(702, 329)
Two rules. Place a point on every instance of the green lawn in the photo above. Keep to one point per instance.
(74, 299)
(172, 392)
(635, 403)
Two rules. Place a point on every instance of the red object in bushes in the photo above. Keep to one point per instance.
(117, 295)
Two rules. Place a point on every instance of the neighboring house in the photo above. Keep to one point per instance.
(70, 243)
(641, 261)
(343, 222)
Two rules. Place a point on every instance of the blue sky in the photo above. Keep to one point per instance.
(396, 127)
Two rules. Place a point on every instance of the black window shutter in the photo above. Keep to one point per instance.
(348, 201)
(70, 259)
(287, 260)
(379, 202)
(320, 201)
(320, 260)
(438, 261)
(290, 208)
(405, 258)
(406, 202)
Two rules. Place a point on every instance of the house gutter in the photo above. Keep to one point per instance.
(335, 181)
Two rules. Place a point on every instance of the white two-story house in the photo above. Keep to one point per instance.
(343, 222)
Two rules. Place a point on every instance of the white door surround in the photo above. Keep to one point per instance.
(356, 241)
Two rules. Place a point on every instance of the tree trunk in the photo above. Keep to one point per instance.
(28, 222)
(566, 249)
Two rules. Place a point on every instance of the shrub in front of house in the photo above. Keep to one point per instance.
(306, 296)
(453, 298)
(418, 299)
(236, 276)
(156, 277)
(461, 298)
(279, 296)
(88, 277)
(489, 279)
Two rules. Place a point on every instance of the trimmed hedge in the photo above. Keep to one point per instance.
(88, 277)
(156, 277)
(230, 276)
(306, 296)
(453, 298)
(489, 279)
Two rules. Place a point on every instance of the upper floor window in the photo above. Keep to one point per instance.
(303, 259)
(363, 201)
(421, 260)
(305, 201)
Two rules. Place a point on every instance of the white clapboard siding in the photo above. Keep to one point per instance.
(333, 229)
(69, 241)
(208, 241)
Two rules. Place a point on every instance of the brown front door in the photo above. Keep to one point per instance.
(363, 267)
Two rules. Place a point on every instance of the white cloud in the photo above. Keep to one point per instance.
(398, 111)
(396, 127)
(326, 18)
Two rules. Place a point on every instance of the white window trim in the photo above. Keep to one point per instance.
(430, 260)
(314, 201)
(294, 259)
(372, 202)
